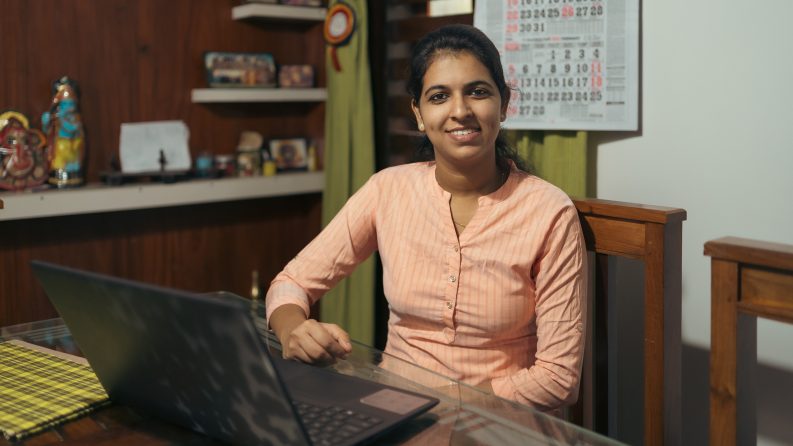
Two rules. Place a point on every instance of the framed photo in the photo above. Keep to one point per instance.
(301, 2)
(225, 69)
(296, 76)
(289, 154)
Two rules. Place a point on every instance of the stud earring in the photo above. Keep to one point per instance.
(421, 127)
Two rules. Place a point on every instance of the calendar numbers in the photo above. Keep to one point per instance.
(554, 57)
(570, 64)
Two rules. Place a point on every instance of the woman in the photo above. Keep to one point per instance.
(483, 263)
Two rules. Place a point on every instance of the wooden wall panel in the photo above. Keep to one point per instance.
(135, 61)
(201, 248)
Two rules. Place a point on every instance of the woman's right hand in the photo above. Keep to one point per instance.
(316, 343)
(308, 340)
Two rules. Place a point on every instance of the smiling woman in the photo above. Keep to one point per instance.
(461, 111)
(482, 262)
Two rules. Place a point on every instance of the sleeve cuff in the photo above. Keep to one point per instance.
(504, 387)
(286, 293)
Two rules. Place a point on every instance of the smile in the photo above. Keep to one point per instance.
(462, 132)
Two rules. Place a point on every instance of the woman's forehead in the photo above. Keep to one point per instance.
(456, 65)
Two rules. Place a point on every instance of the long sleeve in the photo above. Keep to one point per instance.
(560, 280)
(344, 243)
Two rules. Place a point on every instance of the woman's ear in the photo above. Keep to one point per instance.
(504, 111)
(417, 113)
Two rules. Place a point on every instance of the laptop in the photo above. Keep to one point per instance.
(199, 361)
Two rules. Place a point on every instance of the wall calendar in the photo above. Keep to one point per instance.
(572, 64)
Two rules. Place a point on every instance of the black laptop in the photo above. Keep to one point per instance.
(199, 361)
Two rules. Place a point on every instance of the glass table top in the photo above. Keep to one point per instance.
(466, 415)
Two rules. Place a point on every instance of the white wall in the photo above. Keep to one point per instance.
(716, 139)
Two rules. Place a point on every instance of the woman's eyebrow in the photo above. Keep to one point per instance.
(435, 87)
(479, 82)
(467, 85)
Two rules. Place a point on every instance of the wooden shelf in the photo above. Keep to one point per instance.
(205, 95)
(278, 12)
(99, 198)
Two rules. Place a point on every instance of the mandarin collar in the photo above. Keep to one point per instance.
(494, 197)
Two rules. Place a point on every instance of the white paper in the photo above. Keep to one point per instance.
(141, 143)
(438, 8)
(573, 65)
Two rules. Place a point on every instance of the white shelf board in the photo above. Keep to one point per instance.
(100, 198)
(259, 94)
(280, 12)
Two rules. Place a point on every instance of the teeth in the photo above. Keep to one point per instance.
(462, 132)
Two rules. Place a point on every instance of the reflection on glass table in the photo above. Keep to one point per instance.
(466, 415)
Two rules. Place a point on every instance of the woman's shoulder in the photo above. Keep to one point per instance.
(404, 173)
(530, 186)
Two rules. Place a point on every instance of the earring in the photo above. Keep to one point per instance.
(421, 127)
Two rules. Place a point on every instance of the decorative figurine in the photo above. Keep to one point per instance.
(249, 160)
(23, 157)
(65, 136)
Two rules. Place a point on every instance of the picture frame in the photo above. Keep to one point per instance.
(296, 76)
(289, 154)
(301, 2)
(230, 69)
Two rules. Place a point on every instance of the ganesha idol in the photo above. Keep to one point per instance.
(23, 156)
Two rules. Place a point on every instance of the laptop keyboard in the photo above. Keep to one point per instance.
(333, 425)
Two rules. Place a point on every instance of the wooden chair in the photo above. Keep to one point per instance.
(749, 279)
(653, 235)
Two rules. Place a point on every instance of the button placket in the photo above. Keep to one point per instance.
(452, 288)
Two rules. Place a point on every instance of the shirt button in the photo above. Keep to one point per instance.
(456, 248)
(449, 305)
(452, 279)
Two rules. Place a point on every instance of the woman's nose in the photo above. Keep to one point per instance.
(460, 107)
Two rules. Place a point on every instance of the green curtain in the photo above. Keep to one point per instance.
(349, 161)
(560, 158)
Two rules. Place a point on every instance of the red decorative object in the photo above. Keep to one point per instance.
(339, 26)
(23, 156)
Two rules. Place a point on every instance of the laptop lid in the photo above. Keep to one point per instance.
(198, 361)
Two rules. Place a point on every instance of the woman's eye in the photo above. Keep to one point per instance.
(438, 97)
(479, 92)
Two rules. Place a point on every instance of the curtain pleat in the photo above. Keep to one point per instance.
(349, 161)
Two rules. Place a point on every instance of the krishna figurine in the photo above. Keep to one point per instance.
(65, 137)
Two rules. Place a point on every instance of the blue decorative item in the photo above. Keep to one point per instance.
(65, 137)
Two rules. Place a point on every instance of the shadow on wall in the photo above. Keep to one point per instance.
(774, 394)
(774, 386)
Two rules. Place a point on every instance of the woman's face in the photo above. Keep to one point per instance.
(460, 109)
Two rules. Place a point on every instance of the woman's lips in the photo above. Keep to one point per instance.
(463, 135)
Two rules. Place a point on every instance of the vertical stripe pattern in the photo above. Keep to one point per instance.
(502, 303)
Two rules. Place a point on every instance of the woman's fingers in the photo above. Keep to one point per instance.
(315, 342)
(342, 339)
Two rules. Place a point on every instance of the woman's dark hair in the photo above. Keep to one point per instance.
(456, 39)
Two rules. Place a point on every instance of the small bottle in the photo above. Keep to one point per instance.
(257, 306)
(268, 165)
(312, 159)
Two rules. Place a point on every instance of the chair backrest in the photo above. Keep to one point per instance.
(749, 279)
(653, 235)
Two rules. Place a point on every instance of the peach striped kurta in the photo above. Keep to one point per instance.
(504, 303)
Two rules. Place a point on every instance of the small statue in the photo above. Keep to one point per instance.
(23, 158)
(65, 136)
